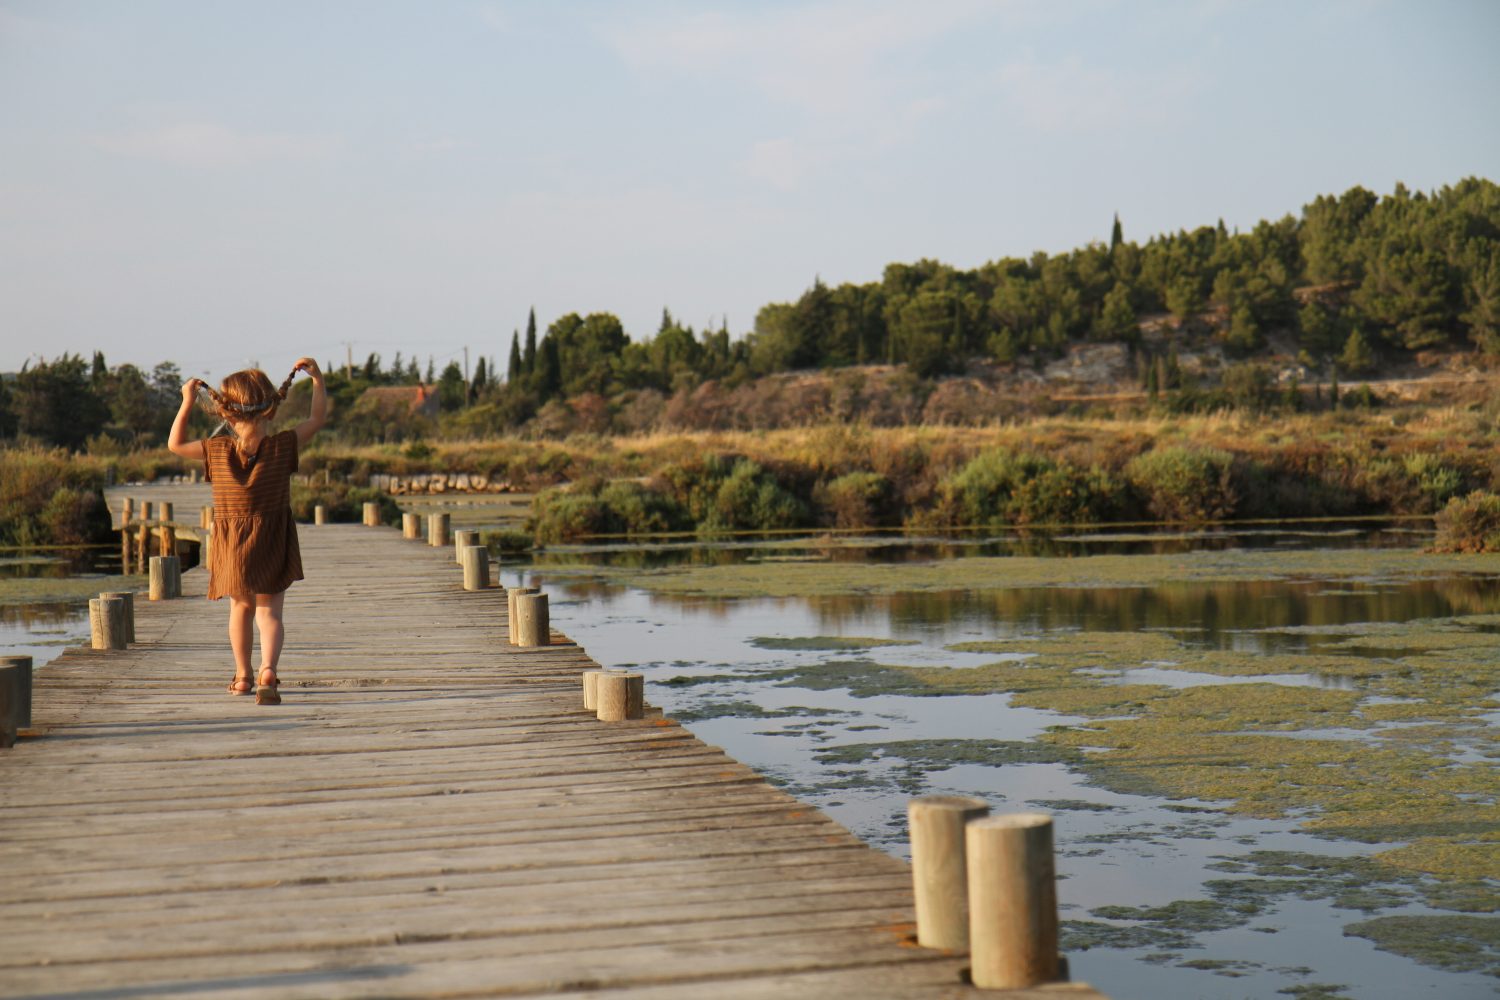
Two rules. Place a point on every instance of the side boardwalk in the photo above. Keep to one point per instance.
(428, 813)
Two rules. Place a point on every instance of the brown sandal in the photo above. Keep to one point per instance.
(236, 688)
(268, 694)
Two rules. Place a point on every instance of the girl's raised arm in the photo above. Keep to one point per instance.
(318, 416)
(177, 442)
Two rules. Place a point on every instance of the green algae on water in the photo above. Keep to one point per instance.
(1452, 943)
(42, 590)
(824, 642)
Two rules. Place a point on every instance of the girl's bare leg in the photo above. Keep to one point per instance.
(241, 638)
(268, 621)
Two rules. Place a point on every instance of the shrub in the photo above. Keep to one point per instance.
(1185, 484)
(1007, 487)
(1469, 524)
(593, 507)
(750, 499)
(856, 500)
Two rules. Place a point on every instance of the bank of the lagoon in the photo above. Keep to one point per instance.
(1272, 768)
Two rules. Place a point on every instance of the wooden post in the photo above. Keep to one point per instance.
(461, 538)
(107, 621)
(939, 874)
(372, 514)
(620, 696)
(591, 690)
(125, 549)
(143, 546)
(127, 507)
(128, 596)
(476, 561)
(511, 597)
(320, 514)
(166, 578)
(10, 704)
(532, 625)
(22, 688)
(1012, 901)
(437, 530)
(411, 525)
(206, 517)
(205, 548)
(145, 510)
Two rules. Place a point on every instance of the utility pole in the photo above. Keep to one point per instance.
(348, 360)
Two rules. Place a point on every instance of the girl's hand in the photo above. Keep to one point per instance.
(190, 390)
(310, 366)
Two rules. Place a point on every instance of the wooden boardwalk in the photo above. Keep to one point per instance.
(429, 813)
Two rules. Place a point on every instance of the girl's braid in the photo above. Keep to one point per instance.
(225, 405)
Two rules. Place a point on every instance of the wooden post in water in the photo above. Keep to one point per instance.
(23, 672)
(320, 514)
(411, 525)
(128, 596)
(107, 621)
(372, 514)
(511, 597)
(461, 538)
(1012, 901)
(939, 874)
(437, 530)
(476, 563)
(532, 625)
(125, 546)
(620, 696)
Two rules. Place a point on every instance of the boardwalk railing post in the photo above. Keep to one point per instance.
(939, 874)
(128, 596)
(107, 621)
(320, 514)
(476, 561)
(168, 538)
(411, 525)
(620, 696)
(22, 685)
(372, 514)
(125, 513)
(1012, 901)
(511, 597)
(532, 625)
(461, 538)
(143, 544)
(206, 517)
(437, 530)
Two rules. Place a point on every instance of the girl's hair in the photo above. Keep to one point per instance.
(248, 395)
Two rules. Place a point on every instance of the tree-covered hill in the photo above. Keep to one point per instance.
(1353, 283)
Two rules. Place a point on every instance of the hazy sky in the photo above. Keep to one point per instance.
(215, 182)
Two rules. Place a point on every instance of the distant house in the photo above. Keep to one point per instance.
(394, 400)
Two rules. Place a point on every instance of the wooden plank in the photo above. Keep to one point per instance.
(430, 812)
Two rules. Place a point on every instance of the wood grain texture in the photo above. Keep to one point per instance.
(430, 812)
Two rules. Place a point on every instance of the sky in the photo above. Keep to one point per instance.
(248, 181)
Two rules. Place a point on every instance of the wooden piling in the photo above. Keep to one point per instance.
(1012, 901)
(166, 578)
(320, 514)
(143, 544)
(372, 514)
(939, 872)
(22, 687)
(511, 597)
(620, 696)
(437, 530)
(411, 525)
(461, 538)
(10, 704)
(476, 563)
(206, 517)
(591, 690)
(145, 510)
(125, 544)
(532, 625)
(128, 596)
(107, 621)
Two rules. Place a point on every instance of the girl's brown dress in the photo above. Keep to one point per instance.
(254, 548)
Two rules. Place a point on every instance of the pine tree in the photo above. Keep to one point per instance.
(513, 367)
(481, 380)
(431, 372)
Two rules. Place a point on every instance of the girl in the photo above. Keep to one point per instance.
(254, 557)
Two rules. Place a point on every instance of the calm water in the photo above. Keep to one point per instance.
(1112, 848)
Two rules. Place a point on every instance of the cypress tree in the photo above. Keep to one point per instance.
(528, 358)
(513, 367)
(1116, 234)
(551, 369)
